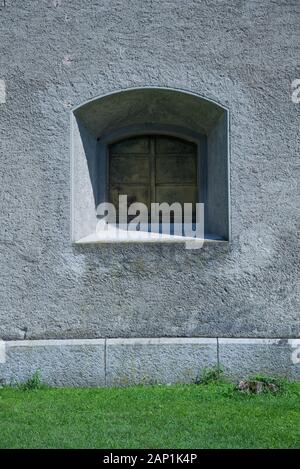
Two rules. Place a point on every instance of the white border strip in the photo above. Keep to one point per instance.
(149, 341)
(2, 92)
(54, 342)
(162, 341)
(252, 341)
(2, 351)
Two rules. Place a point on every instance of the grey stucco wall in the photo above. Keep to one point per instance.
(57, 54)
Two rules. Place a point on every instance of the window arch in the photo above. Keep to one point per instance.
(155, 117)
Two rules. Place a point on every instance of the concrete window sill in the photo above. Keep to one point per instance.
(117, 235)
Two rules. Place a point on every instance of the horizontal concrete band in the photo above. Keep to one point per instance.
(147, 340)
(125, 361)
(53, 342)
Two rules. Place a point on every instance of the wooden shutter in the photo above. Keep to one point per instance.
(153, 168)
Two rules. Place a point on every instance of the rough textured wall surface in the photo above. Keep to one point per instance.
(55, 54)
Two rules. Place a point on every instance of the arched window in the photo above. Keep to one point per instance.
(154, 145)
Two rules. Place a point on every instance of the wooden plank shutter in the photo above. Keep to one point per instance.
(153, 168)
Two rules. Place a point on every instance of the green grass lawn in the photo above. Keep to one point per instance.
(182, 416)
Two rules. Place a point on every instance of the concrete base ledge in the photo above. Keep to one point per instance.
(275, 357)
(129, 361)
(60, 362)
(165, 360)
